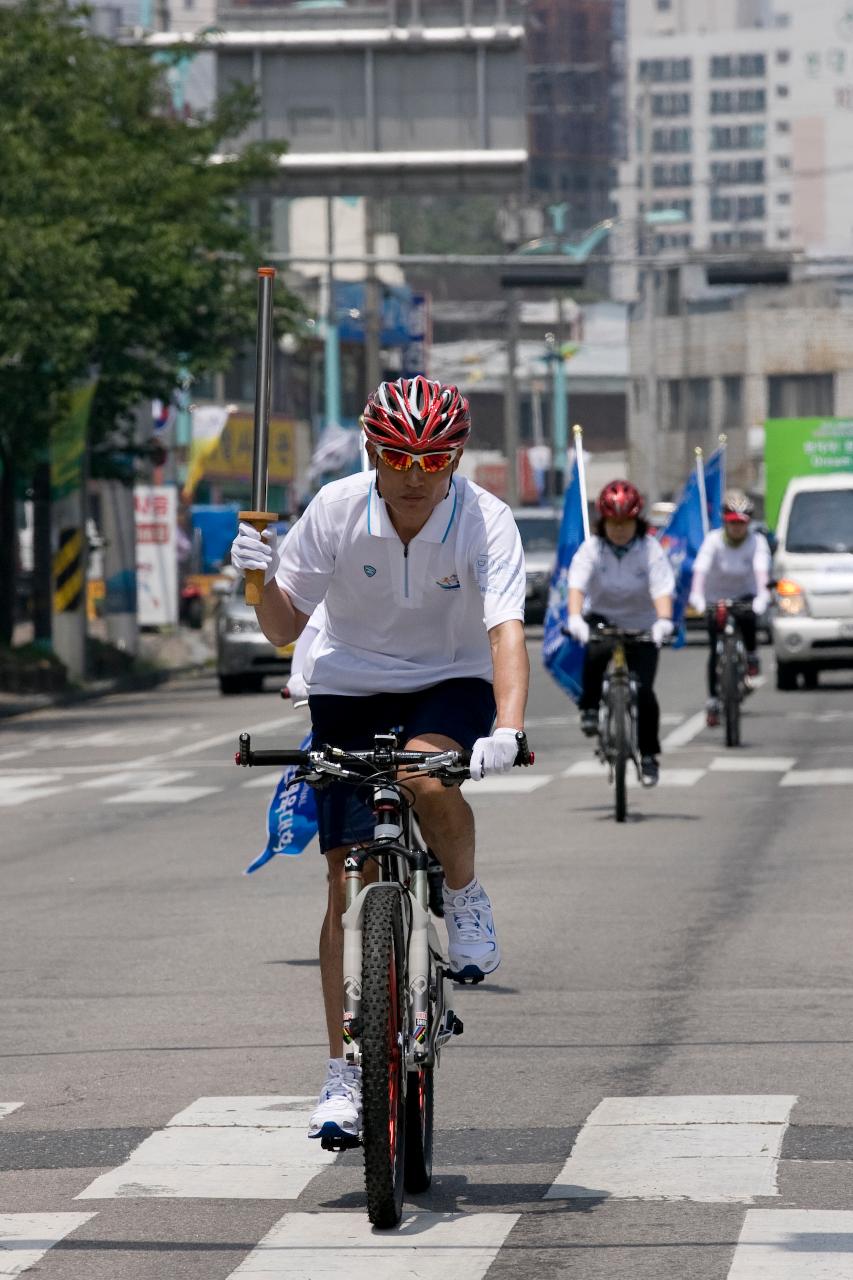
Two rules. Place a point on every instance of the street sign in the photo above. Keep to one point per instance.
(156, 516)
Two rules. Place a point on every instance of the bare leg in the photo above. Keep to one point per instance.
(445, 817)
(332, 946)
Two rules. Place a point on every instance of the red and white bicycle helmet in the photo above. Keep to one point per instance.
(737, 507)
(414, 413)
(620, 500)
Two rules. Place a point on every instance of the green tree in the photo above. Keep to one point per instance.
(124, 247)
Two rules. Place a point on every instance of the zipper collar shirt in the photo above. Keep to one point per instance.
(622, 588)
(400, 617)
(733, 571)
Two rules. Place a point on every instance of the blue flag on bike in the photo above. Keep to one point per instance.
(682, 536)
(292, 819)
(562, 656)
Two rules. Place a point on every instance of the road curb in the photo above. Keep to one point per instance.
(97, 689)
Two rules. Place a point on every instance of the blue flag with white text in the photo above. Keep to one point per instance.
(682, 537)
(292, 819)
(562, 656)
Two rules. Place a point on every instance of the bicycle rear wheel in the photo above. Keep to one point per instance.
(730, 689)
(618, 730)
(419, 1122)
(382, 1057)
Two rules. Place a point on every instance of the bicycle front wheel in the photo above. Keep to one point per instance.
(419, 1122)
(382, 1057)
(730, 689)
(618, 715)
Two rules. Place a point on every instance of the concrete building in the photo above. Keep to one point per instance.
(743, 120)
(725, 360)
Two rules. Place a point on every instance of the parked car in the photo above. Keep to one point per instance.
(243, 653)
(812, 618)
(540, 530)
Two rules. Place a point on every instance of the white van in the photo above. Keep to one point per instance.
(812, 620)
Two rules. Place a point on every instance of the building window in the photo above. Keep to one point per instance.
(749, 207)
(664, 6)
(782, 91)
(728, 66)
(683, 205)
(672, 240)
(671, 104)
(672, 175)
(783, 126)
(801, 395)
(741, 101)
(731, 172)
(732, 402)
(672, 404)
(665, 70)
(699, 403)
(721, 209)
(783, 197)
(783, 55)
(783, 162)
(665, 140)
(740, 137)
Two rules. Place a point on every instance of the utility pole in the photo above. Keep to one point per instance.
(372, 305)
(650, 433)
(511, 398)
(333, 342)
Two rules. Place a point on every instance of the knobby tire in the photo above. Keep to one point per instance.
(731, 692)
(619, 745)
(382, 1057)
(419, 1122)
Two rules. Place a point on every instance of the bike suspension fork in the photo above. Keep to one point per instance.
(354, 878)
(419, 957)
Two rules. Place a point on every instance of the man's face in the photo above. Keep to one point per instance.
(736, 530)
(412, 495)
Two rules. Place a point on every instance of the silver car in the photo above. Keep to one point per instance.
(243, 653)
(540, 530)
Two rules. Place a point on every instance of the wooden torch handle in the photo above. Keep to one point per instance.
(254, 588)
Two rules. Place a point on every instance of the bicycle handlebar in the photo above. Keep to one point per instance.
(604, 631)
(333, 761)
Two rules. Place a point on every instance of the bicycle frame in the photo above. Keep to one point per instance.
(617, 672)
(728, 627)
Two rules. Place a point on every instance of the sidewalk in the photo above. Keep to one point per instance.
(180, 651)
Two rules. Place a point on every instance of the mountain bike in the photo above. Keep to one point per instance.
(730, 658)
(617, 712)
(397, 1015)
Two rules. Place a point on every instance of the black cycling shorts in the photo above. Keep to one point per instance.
(462, 710)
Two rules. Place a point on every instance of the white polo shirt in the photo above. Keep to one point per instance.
(397, 617)
(731, 571)
(622, 587)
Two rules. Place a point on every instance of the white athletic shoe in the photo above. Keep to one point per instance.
(338, 1113)
(473, 947)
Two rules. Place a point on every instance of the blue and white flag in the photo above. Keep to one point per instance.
(699, 509)
(292, 820)
(562, 655)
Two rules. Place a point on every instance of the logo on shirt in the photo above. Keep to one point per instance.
(369, 569)
(450, 583)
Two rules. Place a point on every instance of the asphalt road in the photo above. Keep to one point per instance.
(700, 952)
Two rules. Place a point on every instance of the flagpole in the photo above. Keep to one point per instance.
(723, 441)
(703, 497)
(577, 431)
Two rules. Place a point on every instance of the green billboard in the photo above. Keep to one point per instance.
(802, 447)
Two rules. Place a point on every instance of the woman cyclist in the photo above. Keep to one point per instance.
(733, 564)
(622, 577)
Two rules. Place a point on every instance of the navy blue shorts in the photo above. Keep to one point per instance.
(462, 710)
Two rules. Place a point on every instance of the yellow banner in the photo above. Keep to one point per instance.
(232, 457)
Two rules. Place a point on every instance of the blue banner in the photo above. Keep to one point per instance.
(292, 820)
(562, 656)
(682, 537)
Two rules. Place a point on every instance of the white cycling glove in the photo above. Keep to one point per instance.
(661, 630)
(253, 550)
(761, 603)
(578, 628)
(698, 602)
(493, 755)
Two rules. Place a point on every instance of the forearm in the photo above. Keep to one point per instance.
(663, 606)
(281, 622)
(510, 673)
(576, 599)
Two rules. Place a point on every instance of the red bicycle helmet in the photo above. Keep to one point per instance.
(416, 413)
(620, 500)
(737, 507)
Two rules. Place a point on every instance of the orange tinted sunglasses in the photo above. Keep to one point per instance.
(402, 460)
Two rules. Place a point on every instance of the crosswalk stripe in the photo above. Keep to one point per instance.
(225, 1149)
(751, 764)
(818, 778)
(26, 1237)
(426, 1246)
(162, 795)
(685, 732)
(6, 1108)
(268, 780)
(794, 1244)
(716, 1149)
(668, 777)
(19, 790)
(511, 785)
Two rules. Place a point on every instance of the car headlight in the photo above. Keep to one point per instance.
(790, 599)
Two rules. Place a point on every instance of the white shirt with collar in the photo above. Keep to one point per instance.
(728, 570)
(622, 587)
(402, 617)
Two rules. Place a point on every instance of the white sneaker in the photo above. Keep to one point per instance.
(338, 1113)
(473, 947)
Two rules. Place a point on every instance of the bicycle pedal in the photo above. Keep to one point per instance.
(457, 1026)
(338, 1142)
(463, 979)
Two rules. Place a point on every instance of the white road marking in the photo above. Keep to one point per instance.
(166, 794)
(297, 732)
(270, 781)
(6, 1108)
(425, 1246)
(26, 1237)
(794, 1244)
(668, 777)
(222, 1148)
(136, 778)
(19, 789)
(512, 784)
(818, 778)
(685, 732)
(752, 764)
(716, 1149)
